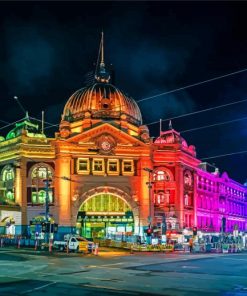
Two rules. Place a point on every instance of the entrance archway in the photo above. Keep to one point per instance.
(106, 212)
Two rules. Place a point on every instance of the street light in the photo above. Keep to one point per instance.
(149, 183)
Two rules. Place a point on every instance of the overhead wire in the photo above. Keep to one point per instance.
(223, 155)
(192, 85)
(5, 122)
(12, 123)
(200, 111)
(213, 125)
(46, 122)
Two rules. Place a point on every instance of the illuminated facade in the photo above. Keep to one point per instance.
(108, 176)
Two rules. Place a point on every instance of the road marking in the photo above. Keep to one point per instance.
(103, 279)
(93, 278)
(103, 266)
(13, 277)
(38, 288)
(102, 287)
(113, 264)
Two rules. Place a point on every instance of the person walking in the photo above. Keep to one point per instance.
(191, 244)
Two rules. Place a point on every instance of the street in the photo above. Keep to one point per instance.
(117, 272)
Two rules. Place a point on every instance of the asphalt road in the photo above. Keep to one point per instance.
(121, 273)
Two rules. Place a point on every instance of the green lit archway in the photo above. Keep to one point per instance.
(105, 215)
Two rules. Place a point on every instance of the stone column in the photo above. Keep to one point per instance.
(179, 202)
(146, 196)
(63, 190)
(195, 199)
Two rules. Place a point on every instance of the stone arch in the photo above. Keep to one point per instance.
(165, 170)
(7, 167)
(103, 189)
(39, 164)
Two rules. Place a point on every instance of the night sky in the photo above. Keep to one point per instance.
(47, 48)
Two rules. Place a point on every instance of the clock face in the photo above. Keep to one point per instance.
(106, 146)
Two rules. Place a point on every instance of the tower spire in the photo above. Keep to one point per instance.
(102, 63)
(101, 74)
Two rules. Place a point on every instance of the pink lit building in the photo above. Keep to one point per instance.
(190, 193)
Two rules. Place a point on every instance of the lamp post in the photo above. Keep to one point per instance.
(149, 183)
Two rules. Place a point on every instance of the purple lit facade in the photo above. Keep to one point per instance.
(191, 193)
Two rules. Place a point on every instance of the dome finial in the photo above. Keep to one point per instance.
(102, 63)
(102, 74)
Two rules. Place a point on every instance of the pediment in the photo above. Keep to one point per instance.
(106, 130)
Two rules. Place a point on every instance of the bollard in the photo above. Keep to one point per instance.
(50, 245)
(67, 250)
(2, 244)
(96, 249)
(36, 245)
(19, 243)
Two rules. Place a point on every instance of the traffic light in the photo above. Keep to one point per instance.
(164, 226)
(47, 227)
(149, 231)
(195, 230)
(168, 233)
(43, 227)
(54, 228)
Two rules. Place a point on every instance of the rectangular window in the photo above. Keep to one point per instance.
(113, 167)
(98, 166)
(83, 166)
(128, 167)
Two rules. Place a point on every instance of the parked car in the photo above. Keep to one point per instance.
(74, 243)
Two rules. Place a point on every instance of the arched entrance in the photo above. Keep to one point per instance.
(106, 213)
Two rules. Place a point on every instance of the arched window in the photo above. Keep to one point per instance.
(38, 174)
(7, 189)
(8, 174)
(188, 179)
(41, 172)
(161, 176)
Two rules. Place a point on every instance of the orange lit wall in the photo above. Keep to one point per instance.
(63, 190)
